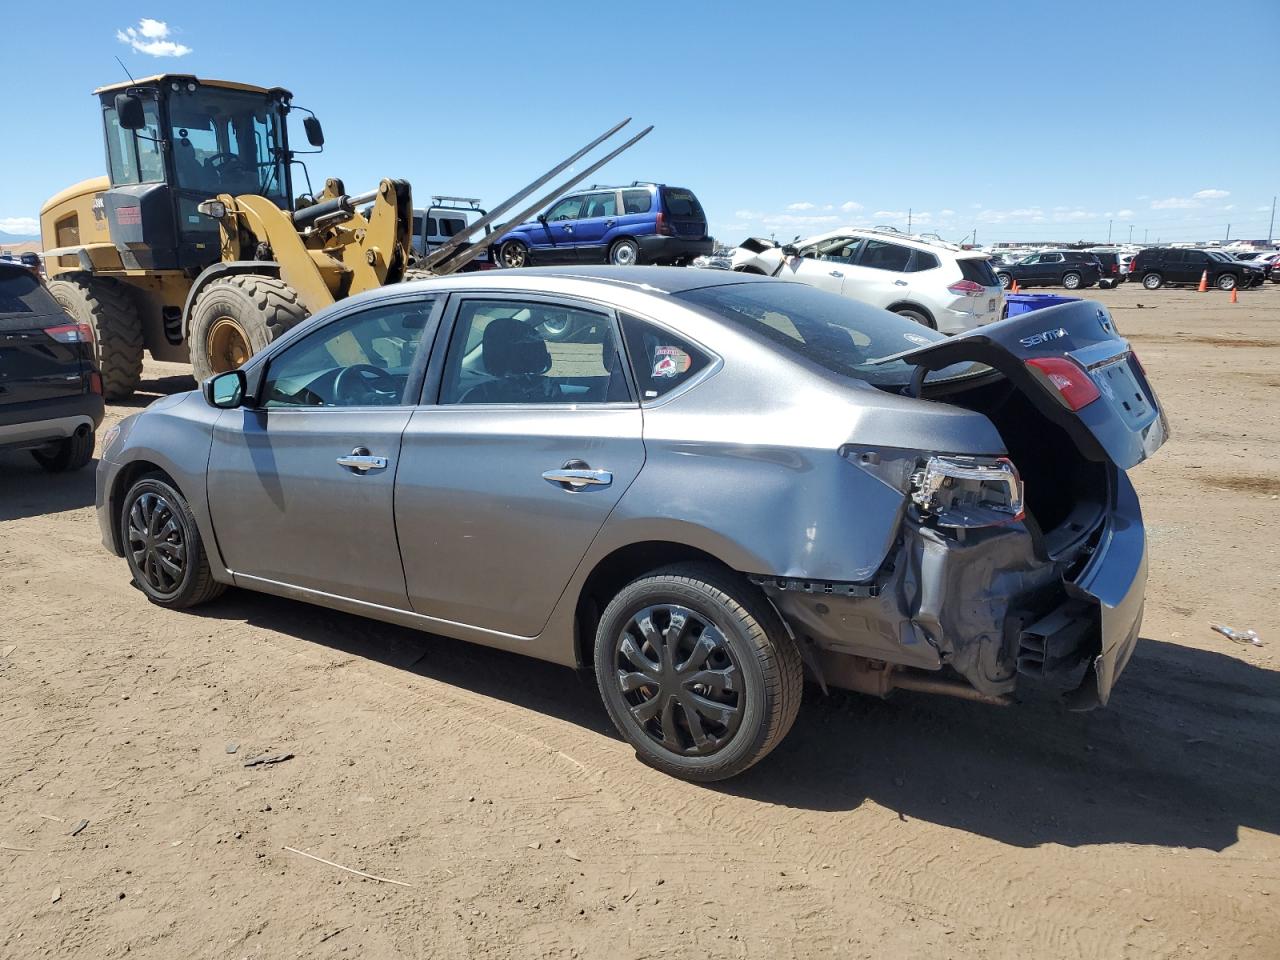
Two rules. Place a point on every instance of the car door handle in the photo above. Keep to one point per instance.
(361, 461)
(577, 479)
(836, 273)
(608, 223)
(899, 283)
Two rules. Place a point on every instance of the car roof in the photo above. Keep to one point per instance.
(645, 279)
(905, 239)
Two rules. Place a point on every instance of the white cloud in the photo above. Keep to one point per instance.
(1210, 194)
(20, 226)
(792, 220)
(1124, 214)
(802, 205)
(850, 206)
(747, 215)
(152, 38)
(946, 213)
(1174, 203)
(1263, 209)
(1229, 207)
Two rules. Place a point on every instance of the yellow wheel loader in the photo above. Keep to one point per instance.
(194, 246)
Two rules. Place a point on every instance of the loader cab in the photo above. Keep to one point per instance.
(174, 141)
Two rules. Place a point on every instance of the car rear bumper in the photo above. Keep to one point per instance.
(38, 422)
(673, 248)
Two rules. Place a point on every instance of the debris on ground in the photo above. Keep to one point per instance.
(79, 826)
(268, 758)
(232, 747)
(1249, 637)
(358, 873)
(57, 895)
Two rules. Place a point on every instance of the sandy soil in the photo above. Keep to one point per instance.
(494, 788)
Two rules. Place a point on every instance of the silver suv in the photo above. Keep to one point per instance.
(922, 278)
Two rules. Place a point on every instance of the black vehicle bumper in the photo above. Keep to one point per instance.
(38, 422)
(672, 248)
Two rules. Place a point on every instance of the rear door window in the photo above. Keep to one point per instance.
(882, 255)
(661, 361)
(601, 205)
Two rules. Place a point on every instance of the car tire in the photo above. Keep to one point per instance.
(1006, 281)
(107, 307)
(1152, 281)
(750, 670)
(916, 315)
(69, 454)
(151, 507)
(559, 329)
(1071, 281)
(624, 253)
(235, 317)
(513, 254)
(1226, 282)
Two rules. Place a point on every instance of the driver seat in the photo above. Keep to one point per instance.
(516, 356)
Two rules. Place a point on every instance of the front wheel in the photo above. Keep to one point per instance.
(1226, 282)
(697, 672)
(1071, 281)
(163, 547)
(513, 254)
(1152, 281)
(235, 317)
(624, 253)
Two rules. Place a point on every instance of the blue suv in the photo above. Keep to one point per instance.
(642, 223)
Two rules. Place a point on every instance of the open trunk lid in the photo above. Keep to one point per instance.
(1074, 366)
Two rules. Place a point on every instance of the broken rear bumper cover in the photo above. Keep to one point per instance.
(987, 608)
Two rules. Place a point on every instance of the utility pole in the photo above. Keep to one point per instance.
(1131, 233)
(1145, 231)
(1272, 229)
(1228, 240)
(1108, 231)
(908, 219)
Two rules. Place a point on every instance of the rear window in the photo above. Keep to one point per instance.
(21, 293)
(824, 329)
(978, 271)
(681, 203)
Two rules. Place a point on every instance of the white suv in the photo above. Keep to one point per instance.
(927, 280)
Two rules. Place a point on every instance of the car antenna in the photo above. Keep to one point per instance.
(126, 70)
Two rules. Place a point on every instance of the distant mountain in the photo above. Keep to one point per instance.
(16, 238)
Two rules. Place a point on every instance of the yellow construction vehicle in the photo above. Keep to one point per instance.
(194, 247)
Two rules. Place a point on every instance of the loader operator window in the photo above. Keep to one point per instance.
(134, 157)
(224, 141)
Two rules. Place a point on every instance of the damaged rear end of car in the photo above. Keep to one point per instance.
(1014, 567)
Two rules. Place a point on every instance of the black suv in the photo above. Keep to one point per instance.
(50, 390)
(1072, 269)
(1157, 266)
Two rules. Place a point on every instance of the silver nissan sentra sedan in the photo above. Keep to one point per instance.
(703, 485)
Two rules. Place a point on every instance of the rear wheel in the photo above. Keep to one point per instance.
(1153, 281)
(697, 672)
(1227, 282)
(917, 316)
(513, 253)
(1071, 281)
(237, 316)
(1006, 281)
(107, 306)
(624, 253)
(163, 547)
(69, 454)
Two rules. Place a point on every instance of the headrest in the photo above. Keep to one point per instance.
(510, 348)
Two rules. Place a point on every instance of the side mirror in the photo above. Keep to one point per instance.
(224, 390)
(315, 133)
(790, 250)
(129, 111)
(542, 219)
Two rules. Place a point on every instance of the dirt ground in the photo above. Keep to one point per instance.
(494, 788)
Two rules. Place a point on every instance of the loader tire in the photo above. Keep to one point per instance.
(235, 317)
(108, 308)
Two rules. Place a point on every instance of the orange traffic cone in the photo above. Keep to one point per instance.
(1014, 288)
(1235, 297)
(1204, 282)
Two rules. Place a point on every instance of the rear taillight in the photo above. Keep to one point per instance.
(969, 491)
(664, 228)
(1066, 379)
(95, 383)
(71, 333)
(967, 288)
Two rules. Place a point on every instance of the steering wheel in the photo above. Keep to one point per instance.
(358, 385)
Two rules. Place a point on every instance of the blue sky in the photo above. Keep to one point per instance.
(1023, 120)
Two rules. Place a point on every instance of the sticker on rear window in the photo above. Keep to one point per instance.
(916, 338)
(670, 362)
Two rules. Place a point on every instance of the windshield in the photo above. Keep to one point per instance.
(225, 141)
(834, 332)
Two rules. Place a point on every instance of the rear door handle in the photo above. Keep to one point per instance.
(836, 273)
(577, 479)
(899, 283)
(361, 461)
